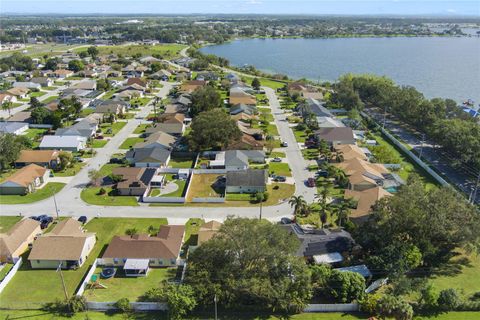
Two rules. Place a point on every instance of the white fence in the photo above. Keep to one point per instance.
(163, 199)
(137, 306)
(334, 307)
(209, 171)
(87, 278)
(40, 126)
(209, 200)
(10, 274)
(411, 155)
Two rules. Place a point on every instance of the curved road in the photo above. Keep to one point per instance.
(70, 204)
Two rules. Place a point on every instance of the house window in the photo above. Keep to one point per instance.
(115, 260)
(160, 261)
(38, 261)
(173, 261)
(124, 260)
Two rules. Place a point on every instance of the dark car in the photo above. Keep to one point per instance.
(44, 217)
(311, 182)
(322, 173)
(286, 221)
(115, 160)
(82, 219)
(280, 179)
(44, 224)
(34, 218)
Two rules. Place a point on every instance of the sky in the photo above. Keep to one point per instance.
(309, 7)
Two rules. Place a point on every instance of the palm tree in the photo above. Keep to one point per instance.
(7, 106)
(299, 205)
(323, 205)
(324, 150)
(342, 211)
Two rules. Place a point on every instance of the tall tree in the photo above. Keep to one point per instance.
(205, 99)
(299, 205)
(7, 106)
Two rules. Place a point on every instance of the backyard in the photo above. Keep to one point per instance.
(181, 162)
(170, 190)
(132, 288)
(31, 288)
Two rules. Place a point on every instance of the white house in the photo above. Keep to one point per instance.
(67, 143)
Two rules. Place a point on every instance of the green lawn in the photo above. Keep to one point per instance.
(37, 94)
(462, 274)
(87, 111)
(6, 222)
(70, 171)
(109, 94)
(33, 133)
(182, 163)
(91, 196)
(300, 136)
(130, 142)
(6, 268)
(106, 169)
(191, 230)
(167, 51)
(179, 192)
(141, 128)
(47, 191)
(98, 143)
(115, 128)
(202, 186)
(50, 99)
(49, 88)
(140, 101)
(42, 315)
(280, 169)
(132, 288)
(277, 154)
(30, 288)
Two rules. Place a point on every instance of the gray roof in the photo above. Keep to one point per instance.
(139, 154)
(238, 108)
(241, 157)
(320, 241)
(247, 178)
(318, 109)
(335, 134)
(361, 269)
(170, 128)
(11, 127)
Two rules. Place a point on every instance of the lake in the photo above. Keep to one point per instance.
(445, 67)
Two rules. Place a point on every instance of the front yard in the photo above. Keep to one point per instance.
(130, 142)
(109, 129)
(70, 171)
(47, 191)
(32, 288)
(277, 193)
(92, 195)
(132, 288)
(279, 169)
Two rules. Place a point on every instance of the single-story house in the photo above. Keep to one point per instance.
(62, 73)
(243, 108)
(247, 181)
(363, 175)
(67, 245)
(15, 242)
(157, 139)
(135, 180)
(42, 158)
(84, 128)
(26, 84)
(351, 151)
(148, 157)
(163, 75)
(245, 99)
(137, 81)
(233, 160)
(318, 109)
(85, 85)
(5, 97)
(162, 250)
(246, 142)
(365, 199)
(66, 143)
(42, 81)
(184, 100)
(175, 108)
(336, 136)
(25, 180)
(329, 122)
(112, 106)
(18, 92)
(207, 231)
(16, 128)
(21, 116)
(173, 129)
(322, 245)
(190, 86)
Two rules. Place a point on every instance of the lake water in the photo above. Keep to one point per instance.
(437, 66)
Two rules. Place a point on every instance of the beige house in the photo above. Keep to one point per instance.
(162, 250)
(15, 242)
(365, 200)
(67, 244)
(25, 180)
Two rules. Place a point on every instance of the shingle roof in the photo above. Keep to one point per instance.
(35, 156)
(10, 241)
(335, 134)
(140, 154)
(247, 178)
(26, 175)
(166, 245)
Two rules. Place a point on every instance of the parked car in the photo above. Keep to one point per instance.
(286, 221)
(280, 179)
(276, 159)
(44, 217)
(34, 218)
(322, 173)
(78, 159)
(99, 137)
(284, 144)
(82, 219)
(115, 160)
(311, 182)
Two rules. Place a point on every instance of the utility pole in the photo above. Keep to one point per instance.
(261, 204)
(474, 196)
(55, 201)
(59, 269)
(215, 300)
(384, 117)
(421, 149)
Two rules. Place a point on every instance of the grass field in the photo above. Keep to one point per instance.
(141, 128)
(6, 222)
(167, 51)
(130, 142)
(34, 287)
(50, 99)
(277, 192)
(71, 171)
(98, 143)
(42, 315)
(47, 191)
(37, 94)
(91, 196)
(202, 186)
(115, 128)
(132, 288)
(277, 154)
(280, 169)
(181, 163)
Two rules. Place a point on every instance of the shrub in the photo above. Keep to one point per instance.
(449, 299)
(123, 305)
(102, 191)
